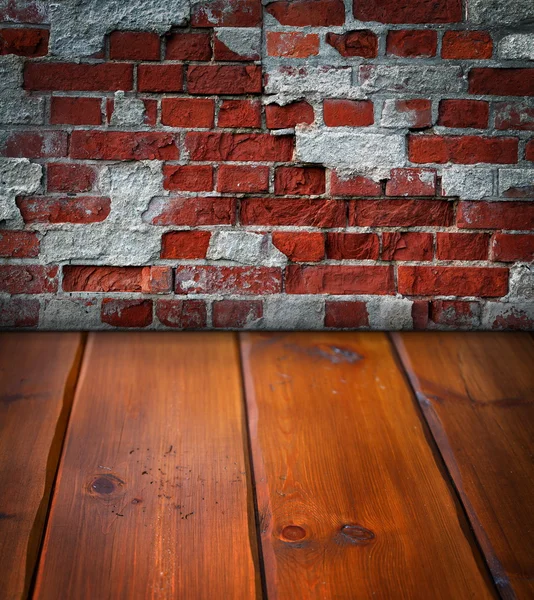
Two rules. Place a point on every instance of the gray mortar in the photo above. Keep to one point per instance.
(127, 111)
(389, 313)
(517, 46)
(71, 313)
(16, 107)
(293, 312)
(515, 178)
(493, 310)
(500, 12)
(79, 26)
(421, 79)
(521, 286)
(17, 177)
(466, 182)
(245, 248)
(245, 41)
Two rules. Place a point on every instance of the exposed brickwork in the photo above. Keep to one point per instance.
(371, 159)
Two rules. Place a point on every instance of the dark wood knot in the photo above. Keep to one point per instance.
(358, 534)
(104, 485)
(293, 533)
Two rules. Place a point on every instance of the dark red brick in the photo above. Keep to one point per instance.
(75, 111)
(411, 43)
(462, 246)
(123, 145)
(243, 178)
(126, 313)
(363, 42)
(35, 144)
(255, 147)
(24, 42)
(509, 247)
(411, 182)
(182, 314)
(228, 280)
(304, 13)
(300, 246)
(415, 11)
(401, 213)
(282, 117)
(302, 181)
(348, 113)
(466, 44)
(222, 13)
(160, 78)
(463, 113)
(28, 279)
(98, 77)
(193, 211)
(185, 244)
(134, 45)
(352, 246)
(188, 46)
(240, 113)
(79, 209)
(236, 314)
(188, 178)
(346, 315)
(224, 79)
(411, 245)
(188, 112)
(493, 82)
(496, 215)
(339, 279)
(293, 212)
(70, 178)
(467, 150)
(18, 244)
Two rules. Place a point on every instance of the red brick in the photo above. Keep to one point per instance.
(28, 279)
(292, 44)
(466, 150)
(419, 112)
(188, 178)
(151, 112)
(24, 11)
(363, 42)
(496, 215)
(514, 115)
(182, 314)
(411, 182)
(126, 313)
(242, 179)
(79, 209)
(401, 245)
(354, 186)
(188, 112)
(222, 52)
(134, 45)
(236, 314)
(160, 78)
(240, 113)
(123, 145)
(19, 312)
(225, 13)
(452, 281)
(224, 79)
(529, 151)
(462, 246)
(102, 279)
(255, 147)
(463, 113)
(401, 213)
(33, 144)
(495, 82)
(24, 42)
(193, 211)
(412, 43)
(293, 212)
(466, 44)
(349, 113)
(337, 279)
(415, 11)
(420, 310)
(185, 244)
(156, 280)
(353, 246)
(509, 247)
(346, 315)
(300, 246)
(303, 13)
(99, 77)
(512, 317)
(70, 178)
(454, 313)
(75, 111)
(18, 244)
(302, 181)
(281, 117)
(228, 280)
(188, 46)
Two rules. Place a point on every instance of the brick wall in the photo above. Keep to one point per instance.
(304, 164)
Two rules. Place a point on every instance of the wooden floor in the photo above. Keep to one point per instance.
(282, 466)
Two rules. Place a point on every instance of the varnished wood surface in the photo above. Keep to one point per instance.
(477, 392)
(352, 500)
(153, 498)
(37, 376)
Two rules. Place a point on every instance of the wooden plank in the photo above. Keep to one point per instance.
(38, 373)
(477, 393)
(153, 499)
(351, 499)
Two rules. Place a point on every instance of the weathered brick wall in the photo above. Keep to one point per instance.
(302, 164)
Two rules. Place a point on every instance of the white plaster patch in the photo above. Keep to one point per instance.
(245, 41)
(467, 183)
(245, 248)
(346, 148)
(500, 12)
(79, 26)
(423, 79)
(16, 107)
(392, 117)
(521, 285)
(496, 315)
(71, 314)
(17, 176)
(127, 111)
(518, 46)
(521, 180)
(290, 83)
(389, 313)
(293, 312)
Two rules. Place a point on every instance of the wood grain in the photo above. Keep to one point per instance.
(153, 499)
(477, 393)
(38, 372)
(352, 501)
